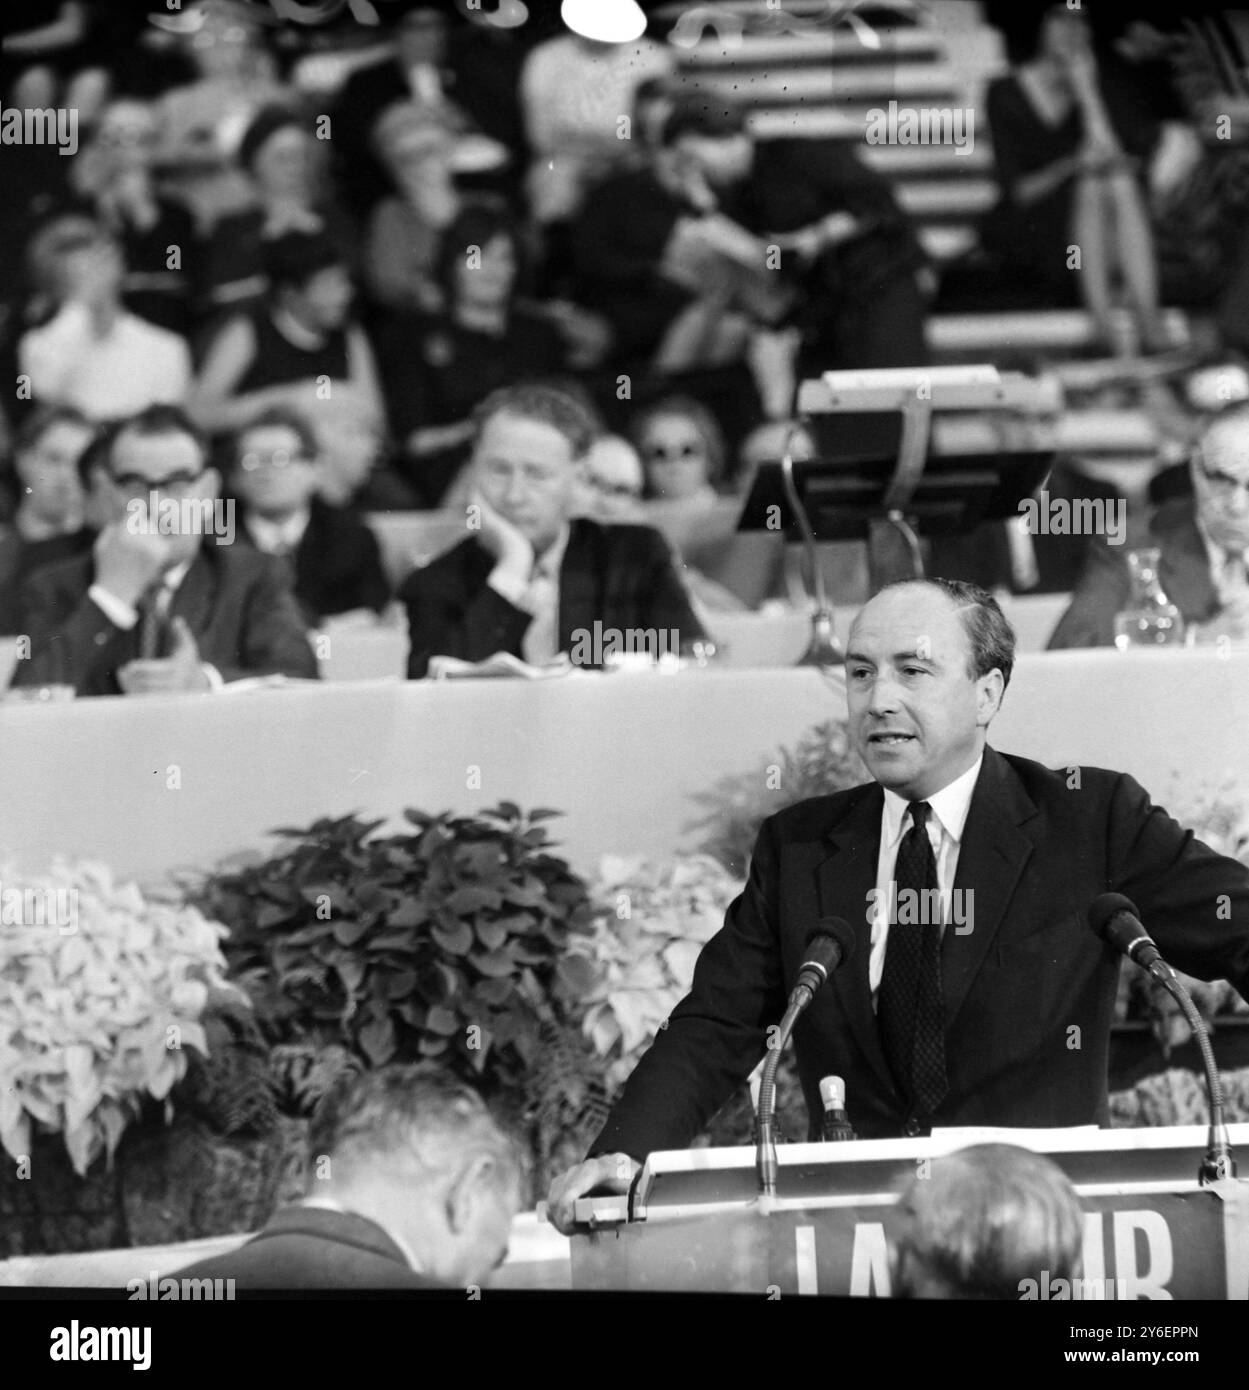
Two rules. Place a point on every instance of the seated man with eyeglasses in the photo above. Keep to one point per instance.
(331, 554)
(1204, 544)
(165, 602)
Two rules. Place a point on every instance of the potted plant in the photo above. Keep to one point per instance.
(443, 940)
(102, 990)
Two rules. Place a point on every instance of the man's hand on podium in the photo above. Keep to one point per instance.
(607, 1173)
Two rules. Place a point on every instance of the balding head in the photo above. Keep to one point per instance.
(984, 1220)
(1220, 469)
(417, 1151)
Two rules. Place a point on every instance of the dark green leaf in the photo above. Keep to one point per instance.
(444, 1022)
(351, 972)
(492, 935)
(347, 930)
(401, 984)
(456, 941)
(407, 913)
(377, 1038)
(494, 964)
(473, 899)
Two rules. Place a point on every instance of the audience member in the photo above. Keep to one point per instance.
(333, 556)
(92, 353)
(414, 1185)
(299, 348)
(160, 605)
(533, 575)
(849, 254)
(49, 522)
(614, 480)
(682, 450)
(983, 1222)
(1069, 172)
(1204, 545)
(574, 93)
(282, 160)
(201, 121)
(114, 179)
(406, 227)
(438, 369)
(675, 279)
(417, 73)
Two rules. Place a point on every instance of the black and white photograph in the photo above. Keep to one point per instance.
(624, 675)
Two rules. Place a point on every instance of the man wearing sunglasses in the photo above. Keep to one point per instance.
(164, 603)
(1204, 540)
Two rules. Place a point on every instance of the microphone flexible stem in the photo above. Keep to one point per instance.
(766, 1145)
(1160, 971)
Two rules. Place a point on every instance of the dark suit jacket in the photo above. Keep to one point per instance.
(1184, 569)
(338, 563)
(313, 1248)
(237, 603)
(19, 558)
(1029, 993)
(623, 576)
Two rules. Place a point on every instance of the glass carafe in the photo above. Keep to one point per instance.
(1148, 618)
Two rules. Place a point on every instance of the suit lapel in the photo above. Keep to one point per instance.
(991, 858)
(580, 601)
(844, 880)
(194, 599)
(1185, 566)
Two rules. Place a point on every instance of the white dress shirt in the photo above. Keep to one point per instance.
(945, 825)
(125, 615)
(539, 597)
(278, 537)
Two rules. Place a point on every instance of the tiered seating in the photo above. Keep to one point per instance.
(799, 75)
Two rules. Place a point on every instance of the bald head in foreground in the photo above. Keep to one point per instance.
(413, 1185)
(983, 1222)
(975, 993)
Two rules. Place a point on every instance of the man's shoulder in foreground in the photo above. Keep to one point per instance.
(305, 1247)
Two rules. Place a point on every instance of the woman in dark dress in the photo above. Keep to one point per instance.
(437, 368)
(1070, 169)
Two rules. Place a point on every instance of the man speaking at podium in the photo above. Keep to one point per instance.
(998, 1014)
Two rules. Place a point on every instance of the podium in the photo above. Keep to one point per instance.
(695, 1221)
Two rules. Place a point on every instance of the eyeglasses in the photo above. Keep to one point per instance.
(279, 458)
(660, 453)
(138, 482)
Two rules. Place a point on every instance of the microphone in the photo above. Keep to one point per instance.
(1115, 919)
(829, 944)
(827, 947)
(836, 1127)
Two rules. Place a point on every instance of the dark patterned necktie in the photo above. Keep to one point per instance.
(153, 618)
(908, 1007)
